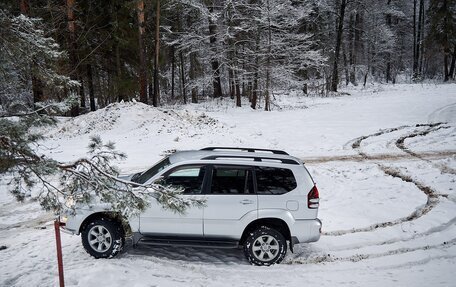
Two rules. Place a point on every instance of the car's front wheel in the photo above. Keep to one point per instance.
(103, 238)
(265, 246)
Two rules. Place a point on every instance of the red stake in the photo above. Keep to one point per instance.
(58, 243)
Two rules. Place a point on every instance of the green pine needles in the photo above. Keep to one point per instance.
(90, 180)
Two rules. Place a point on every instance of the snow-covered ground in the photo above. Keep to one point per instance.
(384, 159)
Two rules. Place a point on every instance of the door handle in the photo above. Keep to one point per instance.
(246, 201)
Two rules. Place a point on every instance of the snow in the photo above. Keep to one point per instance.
(380, 227)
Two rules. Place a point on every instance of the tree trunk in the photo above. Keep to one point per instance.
(193, 76)
(173, 68)
(267, 97)
(81, 93)
(90, 84)
(421, 59)
(142, 53)
(73, 59)
(352, 50)
(388, 61)
(238, 94)
(253, 103)
(335, 72)
(231, 81)
(214, 63)
(119, 90)
(347, 76)
(418, 47)
(37, 90)
(184, 94)
(194, 95)
(415, 59)
(25, 7)
(37, 85)
(453, 63)
(156, 99)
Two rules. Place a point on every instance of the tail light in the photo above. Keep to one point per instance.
(313, 198)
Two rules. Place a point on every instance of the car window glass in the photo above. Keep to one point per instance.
(272, 180)
(186, 172)
(189, 178)
(227, 180)
(145, 176)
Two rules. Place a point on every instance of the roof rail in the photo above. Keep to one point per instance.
(255, 158)
(274, 151)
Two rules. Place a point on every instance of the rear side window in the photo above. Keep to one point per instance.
(271, 180)
(231, 180)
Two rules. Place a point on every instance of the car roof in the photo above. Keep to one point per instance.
(231, 154)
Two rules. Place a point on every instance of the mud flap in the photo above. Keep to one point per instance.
(136, 238)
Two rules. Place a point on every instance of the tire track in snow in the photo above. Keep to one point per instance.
(427, 155)
(414, 236)
(327, 258)
(400, 143)
(432, 195)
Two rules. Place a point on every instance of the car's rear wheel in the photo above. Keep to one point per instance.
(103, 238)
(265, 246)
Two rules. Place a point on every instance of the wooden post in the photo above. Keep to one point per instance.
(58, 243)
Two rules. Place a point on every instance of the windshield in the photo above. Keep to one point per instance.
(145, 176)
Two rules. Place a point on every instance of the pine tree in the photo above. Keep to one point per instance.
(81, 181)
(442, 31)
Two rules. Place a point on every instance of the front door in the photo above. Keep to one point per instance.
(158, 221)
(231, 201)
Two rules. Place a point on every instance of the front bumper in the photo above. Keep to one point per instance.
(63, 225)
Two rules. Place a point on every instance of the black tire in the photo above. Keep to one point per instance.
(265, 254)
(103, 238)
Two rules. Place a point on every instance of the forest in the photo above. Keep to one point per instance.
(103, 102)
(163, 52)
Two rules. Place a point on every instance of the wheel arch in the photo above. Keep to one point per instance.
(278, 224)
(106, 214)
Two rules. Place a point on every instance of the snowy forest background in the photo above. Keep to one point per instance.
(363, 92)
(180, 51)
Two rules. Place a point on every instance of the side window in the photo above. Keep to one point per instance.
(231, 180)
(271, 180)
(190, 178)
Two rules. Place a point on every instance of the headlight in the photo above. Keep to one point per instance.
(63, 219)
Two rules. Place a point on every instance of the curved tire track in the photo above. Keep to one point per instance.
(400, 143)
(432, 196)
(327, 258)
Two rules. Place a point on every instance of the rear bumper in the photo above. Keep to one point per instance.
(306, 230)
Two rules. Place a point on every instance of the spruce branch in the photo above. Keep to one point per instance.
(87, 180)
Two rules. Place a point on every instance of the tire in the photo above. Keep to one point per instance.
(103, 238)
(265, 246)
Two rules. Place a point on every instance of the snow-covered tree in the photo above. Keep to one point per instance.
(24, 47)
(27, 53)
(442, 31)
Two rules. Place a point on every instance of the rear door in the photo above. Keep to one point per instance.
(231, 201)
(161, 222)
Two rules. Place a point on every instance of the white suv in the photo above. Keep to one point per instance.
(255, 198)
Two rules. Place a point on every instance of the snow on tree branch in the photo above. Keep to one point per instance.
(89, 180)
